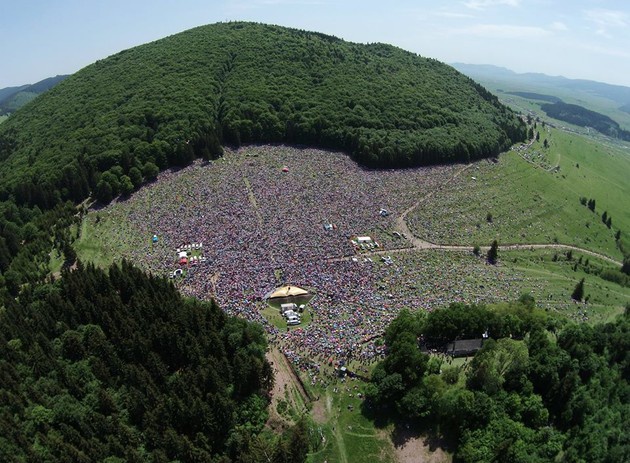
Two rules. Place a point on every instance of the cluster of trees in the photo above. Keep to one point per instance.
(578, 115)
(27, 235)
(118, 366)
(617, 275)
(546, 393)
(590, 203)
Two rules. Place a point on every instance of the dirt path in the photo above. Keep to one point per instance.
(401, 222)
(418, 244)
(253, 202)
(286, 387)
(417, 450)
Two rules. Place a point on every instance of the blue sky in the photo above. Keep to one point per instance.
(587, 39)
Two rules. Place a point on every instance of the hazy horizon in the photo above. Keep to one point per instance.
(583, 39)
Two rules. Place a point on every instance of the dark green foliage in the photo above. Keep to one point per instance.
(523, 401)
(14, 98)
(578, 115)
(536, 96)
(616, 276)
(150, 171)
(184, 96)
(493, 253)
(578, 291)
(121, 367)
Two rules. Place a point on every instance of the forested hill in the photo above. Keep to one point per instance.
(118, 366)
(13, 98)
(166, 102)
(583, 117)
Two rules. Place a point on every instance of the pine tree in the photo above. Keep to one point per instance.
(493, 253)
(578, 292)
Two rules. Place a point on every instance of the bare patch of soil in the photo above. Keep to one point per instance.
(412, 448)
(319, 412)
(286, 387)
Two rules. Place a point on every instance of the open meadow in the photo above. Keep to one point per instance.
(259, 217)
(532, 195)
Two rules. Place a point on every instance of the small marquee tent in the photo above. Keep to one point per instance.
(286, 291)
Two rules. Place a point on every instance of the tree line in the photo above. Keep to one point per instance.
(537, 391)
(118, 366)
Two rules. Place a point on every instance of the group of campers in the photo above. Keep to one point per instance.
(291, 312)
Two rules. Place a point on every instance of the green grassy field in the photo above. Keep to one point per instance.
(350, 437)
(99, 241)
(273, 316)
(534, 201)
(56, 261)
(551, 282)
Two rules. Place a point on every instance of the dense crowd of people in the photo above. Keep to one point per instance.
(270, 215)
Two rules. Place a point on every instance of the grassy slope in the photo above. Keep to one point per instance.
(99, 241)
(551, 281)
(530, 204)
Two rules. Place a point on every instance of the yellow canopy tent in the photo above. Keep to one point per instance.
(286, 291)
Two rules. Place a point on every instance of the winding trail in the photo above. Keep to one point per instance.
(419, 244)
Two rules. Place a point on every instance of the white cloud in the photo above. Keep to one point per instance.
(251, 4)
(452, 14)
(607, 51)
(559, 26)
(606, 20)
(504, 31)
(483, 4)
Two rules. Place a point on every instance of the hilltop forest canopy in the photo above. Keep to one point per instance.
(167, 102)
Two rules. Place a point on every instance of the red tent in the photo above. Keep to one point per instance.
(285, 169)
(183, 261)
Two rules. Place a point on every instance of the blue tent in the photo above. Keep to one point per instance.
(155, 239)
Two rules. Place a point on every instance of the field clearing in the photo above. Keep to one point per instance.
(552, 281)
(260, 225)
(261, 228)
(349, 436)
(520, 201)
(591, 101)
(101, 240)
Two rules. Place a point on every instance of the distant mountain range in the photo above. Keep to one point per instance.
(616, 93)
(610, 100)
(13, 98)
